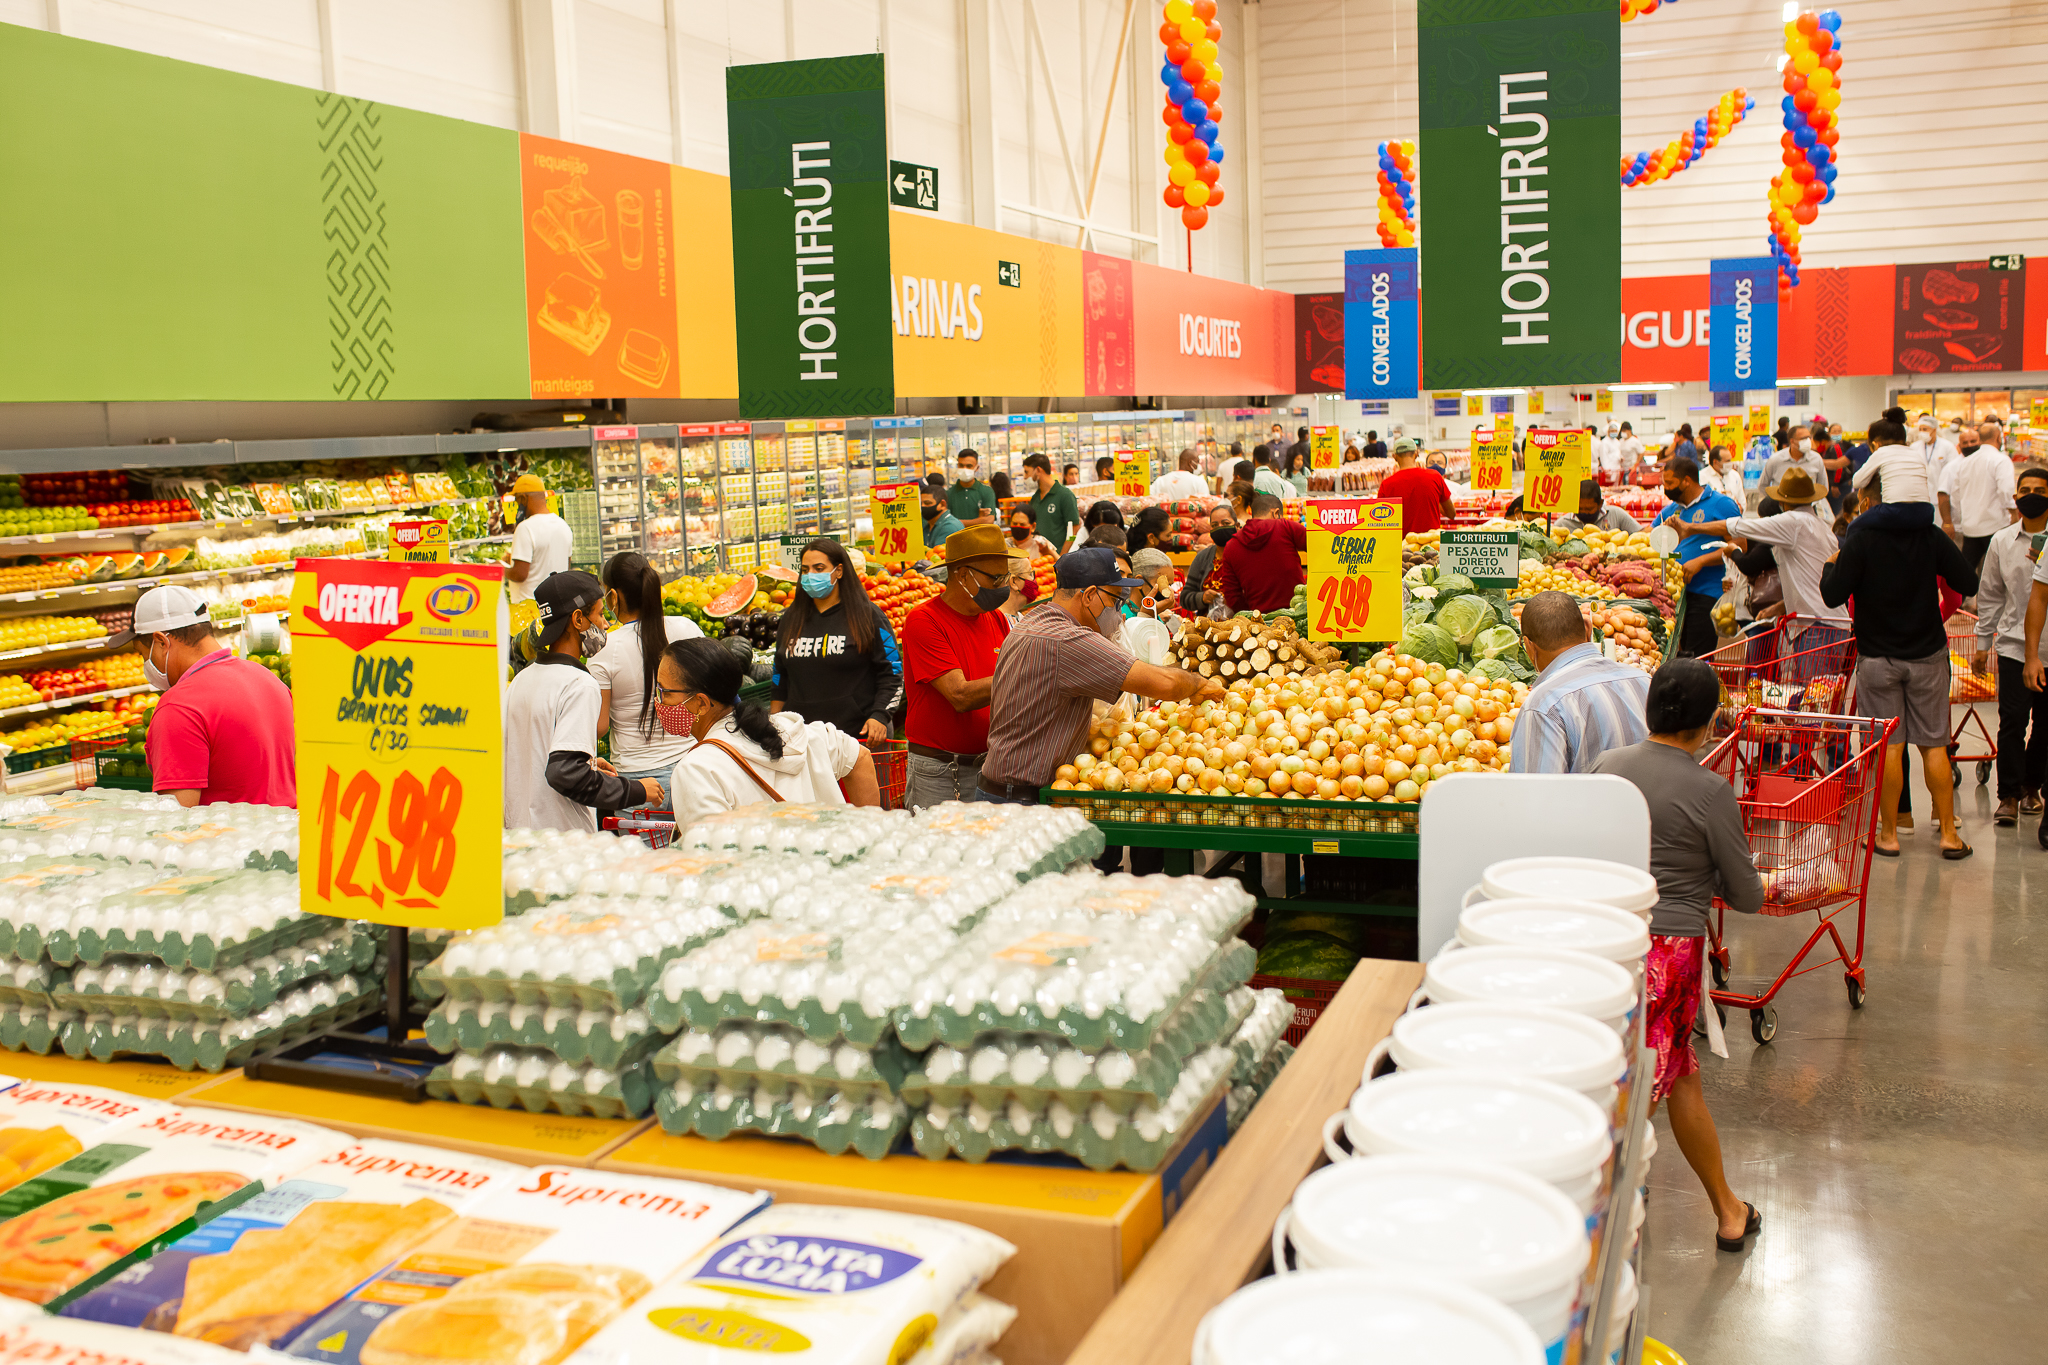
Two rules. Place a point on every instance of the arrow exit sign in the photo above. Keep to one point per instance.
(912, 186)
(2015, 261)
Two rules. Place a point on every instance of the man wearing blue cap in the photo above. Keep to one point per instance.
(1058, 661)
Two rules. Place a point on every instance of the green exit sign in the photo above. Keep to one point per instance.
(2013, 261)
(1010, 273)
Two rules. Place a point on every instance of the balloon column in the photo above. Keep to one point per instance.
(1647, 168)
(1193, 121)
(1812, 105)
(1631, 8)
(1398, 177)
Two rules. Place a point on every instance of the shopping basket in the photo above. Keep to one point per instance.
(1790, 663)
(1969, 689)
(1808, 786)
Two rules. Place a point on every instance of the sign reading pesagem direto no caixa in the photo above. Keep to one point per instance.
(810, 237)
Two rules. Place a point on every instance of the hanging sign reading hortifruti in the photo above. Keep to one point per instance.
(1521, 122)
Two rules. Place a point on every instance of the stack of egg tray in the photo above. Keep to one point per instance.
(1260, 1049)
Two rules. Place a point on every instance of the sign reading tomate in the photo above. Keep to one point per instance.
(1493, 457)
(899, 524)
(1133, 474)
(1354, 570)
(1554, 464)
(397, 680)
(1322, 448)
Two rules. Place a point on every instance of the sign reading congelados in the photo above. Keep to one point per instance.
(1201, 335)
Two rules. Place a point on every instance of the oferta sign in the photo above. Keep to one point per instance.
(810, 237)
(1521, 124)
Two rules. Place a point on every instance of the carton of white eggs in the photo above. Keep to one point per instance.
(747, 1051)
(836, 1121)
(600, 1037)
(210, 920)
(591, 952)
(1267, 1020)
(42, 889)
(216, 1044)
(145, 986)
(838, 833)
(1024, 841)
(536, 1080)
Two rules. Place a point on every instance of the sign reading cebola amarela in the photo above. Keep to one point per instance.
(1379, 323)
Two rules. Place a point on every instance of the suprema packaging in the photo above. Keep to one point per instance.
(529, 1274)
(35, 1338)
(253, 1277)
(44, 1124)
(815, 1285)
(142, 1187)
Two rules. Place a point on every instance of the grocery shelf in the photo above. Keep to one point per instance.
(63, 703)
(113, 585)
(57, 777)
(246, 523)
(92, 646)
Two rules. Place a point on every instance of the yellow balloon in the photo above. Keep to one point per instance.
(1791, 192)
(1793, 35)
(1175, 154)
(1179, 11)
(1806, 61)
(1192, 29)
(1820, 79)
(1198, 194)
(1387, 213)
(1205, 51)
(1182, 175)
(1831, 99)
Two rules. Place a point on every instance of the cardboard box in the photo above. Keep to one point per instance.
(1079, 1233)
(156, 1080)
(506, 1134)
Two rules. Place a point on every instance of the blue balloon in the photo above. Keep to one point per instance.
(1215, 153)
(1828, 172)
(1211, 130)
(1804, 137)
(1818, 155)
(1830, 20)
(1830, 198)
(1192, 109)
(1387, 164)
(1168, 74)
(1181, 93)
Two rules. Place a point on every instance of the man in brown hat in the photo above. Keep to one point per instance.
(949, 662)
(1800, 540)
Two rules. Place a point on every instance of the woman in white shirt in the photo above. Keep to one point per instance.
(743, 755)
(1721, 476)
(625, 667)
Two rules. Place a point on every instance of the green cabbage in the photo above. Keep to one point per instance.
(1452, 585)
(1421, 576)
(1497, 642)
(1430, 643)
(1415, 613)
(1502, 670)
(1464, 617)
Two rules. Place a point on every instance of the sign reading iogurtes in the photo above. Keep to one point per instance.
(1521, 124)
(810, 237)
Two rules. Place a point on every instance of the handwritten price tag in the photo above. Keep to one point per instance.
(396, 674)
(1759, 419)
(1554, 464)
(899, 525)
(1493, 458)
(1133, 474)
(1322, 448)
(1354, 571)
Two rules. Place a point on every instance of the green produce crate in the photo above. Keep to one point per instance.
(123, 770)
(38, 759)
(1270, 824)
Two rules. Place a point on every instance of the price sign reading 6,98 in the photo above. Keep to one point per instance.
(397, 673)
(1554, 464)
(1354, 570)
(1493, 457)
(899, 522)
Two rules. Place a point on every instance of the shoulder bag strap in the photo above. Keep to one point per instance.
(745, 767)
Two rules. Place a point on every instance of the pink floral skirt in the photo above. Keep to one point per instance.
(1673, 971)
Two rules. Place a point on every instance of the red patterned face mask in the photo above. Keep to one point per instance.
(677, 719)
(1029, 590)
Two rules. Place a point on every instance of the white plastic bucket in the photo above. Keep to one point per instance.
(1625, 1296)
(1561, 978)
(1581, 926)
(1508, 1235)
(1572, 1050)
(1637, 1212)
(1536, 1127)
(1573, 879)
(1361, 1317)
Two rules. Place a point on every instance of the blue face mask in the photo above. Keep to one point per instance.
(816, 584)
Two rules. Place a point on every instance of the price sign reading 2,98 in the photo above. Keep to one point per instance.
(899, 522)
(397, 672)
(1354, 570)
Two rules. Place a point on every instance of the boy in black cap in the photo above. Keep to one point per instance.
(1594, 512)
(553, 777)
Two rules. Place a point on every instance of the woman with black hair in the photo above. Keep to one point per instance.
(1148, 530)
(743, 755)
(1102, 512)
(836, 659)
(1000, 482)
(624, 668)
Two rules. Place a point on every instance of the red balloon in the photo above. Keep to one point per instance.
(1794, 157)
(1197, 152)
(1207, 91)
(1178, 51)
(1175, 198)
(1809, 23)
(1208, 172)
(1193, 72)
(1215, 196)
(1181, 133)
(1805, 101)
(1194, 217)
(1787, 141)
(1170, 115)
(1205, 10)
(1830, 136)
(1802, 172)
(1832, 61)
(1169, 33)
(1795, 81)
(1820, 40)
(1804, 213)
(1215, 114)
(1215, 32)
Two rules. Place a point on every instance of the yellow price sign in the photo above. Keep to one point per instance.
(1133, 470)
(1322, 447)
(1728, 434)
(1493, 459)
(899, 522)
(1759, 419)
(1603, 401)
(1554, 464)
(397, 680)
(1354, 570)
(2039, 414)
(1535, 401)
(419, 542)
(1475, 405)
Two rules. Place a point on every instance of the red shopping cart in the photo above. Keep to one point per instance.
(1791, 663)
(892, 769)
(655, 828)
(1808, 786)
(1969, 690)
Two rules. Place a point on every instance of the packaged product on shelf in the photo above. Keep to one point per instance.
(208, 920)
(1260, 1033)
(210, 1044)
(821, 1286)
(254, 1276)
(44, 1124)
(835, 833)
(529, 1274)
(42, 890)
(222, 835)
(601, 1037)
(147, 987)
(74, 1226)
(742, 885)
(36, 1336)
(592, 952)
(538, 1081)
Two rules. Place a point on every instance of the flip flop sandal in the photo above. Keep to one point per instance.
(1956, 855)
(1884, 852)
(1750, 1228)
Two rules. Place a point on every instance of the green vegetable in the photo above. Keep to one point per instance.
(1464, 617)
(1502, 670)
(1453, 585)
(1308, 956)
(1576, 547)
(1430, 643)
(1497, 642)
(1415, 613)
(1348, 930)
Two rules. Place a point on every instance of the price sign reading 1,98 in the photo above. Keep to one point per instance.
(1354, 570)
(1554, 464)
(899, 523)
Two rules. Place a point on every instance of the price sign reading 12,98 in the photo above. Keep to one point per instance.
(397, 676)
(899, 522)
(1354, 570)
(1554, 464)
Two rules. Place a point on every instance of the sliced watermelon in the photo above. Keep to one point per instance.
(778, 573)
(733, 598)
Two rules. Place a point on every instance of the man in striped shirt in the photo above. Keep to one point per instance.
(1583, 704)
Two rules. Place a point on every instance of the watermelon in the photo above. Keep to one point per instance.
(1308, 956)
(733, 598)
(1348, 930)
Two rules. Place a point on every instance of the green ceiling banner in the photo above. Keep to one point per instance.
(1521, 133)
(175, 231)
(810, 237)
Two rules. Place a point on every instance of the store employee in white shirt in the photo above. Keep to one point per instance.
(1976, 495)
(540, 545)
(1183, 483)
(553, 777)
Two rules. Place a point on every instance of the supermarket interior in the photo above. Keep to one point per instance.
(962, 703)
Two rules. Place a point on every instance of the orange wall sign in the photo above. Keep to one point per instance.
(601, 314)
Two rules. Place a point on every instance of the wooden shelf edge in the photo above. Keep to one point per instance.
(1222, 1238)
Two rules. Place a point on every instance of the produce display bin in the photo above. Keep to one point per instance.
(1310, 999)
(1184, 821)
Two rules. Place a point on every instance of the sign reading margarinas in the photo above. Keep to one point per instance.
(1742, 342)
(813, 292)
(1520, 121)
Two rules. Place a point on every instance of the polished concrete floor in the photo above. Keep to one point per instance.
(1899, 1153)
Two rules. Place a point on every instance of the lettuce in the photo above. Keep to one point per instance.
(1450, 585)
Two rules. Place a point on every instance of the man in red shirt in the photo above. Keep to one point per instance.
(949, 664)
(1259, 568)
(1424, 496)
(223, 731)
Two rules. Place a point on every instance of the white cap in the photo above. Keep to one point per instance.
(160, 609)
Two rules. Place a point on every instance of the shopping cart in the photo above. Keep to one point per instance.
(1969, 690)
(892, 769)
(1808, 785)
(655, 828)
(1790, 663)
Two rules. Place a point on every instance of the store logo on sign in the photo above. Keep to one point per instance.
(451, 600)
(1210, 336)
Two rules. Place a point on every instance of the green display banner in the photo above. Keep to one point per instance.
(1521, 133)
(810, 237)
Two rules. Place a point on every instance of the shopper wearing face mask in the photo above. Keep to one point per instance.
(1059, 661)
(1024, 537)
(223, 729)
(743, 756)
(1797, 454)
(836, 659)
(553, 777)
(624, 668)
(2003, 589)
(939, 524)
(971, 501)
(949, 660)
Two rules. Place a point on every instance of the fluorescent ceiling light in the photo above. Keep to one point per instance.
(1639, 388)
(1486, 393)
(1801, 383)
(1791, 11)
(1783, 57)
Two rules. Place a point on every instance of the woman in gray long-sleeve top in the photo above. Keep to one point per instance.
(1697, 851)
